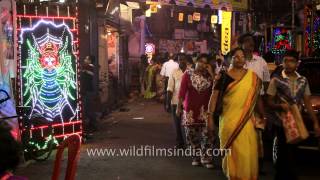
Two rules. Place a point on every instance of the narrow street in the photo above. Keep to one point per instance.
(144, 124)
(93, 72)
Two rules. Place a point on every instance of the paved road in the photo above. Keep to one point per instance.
(144, 124)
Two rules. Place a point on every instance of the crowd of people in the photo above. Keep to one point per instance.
(224, 97)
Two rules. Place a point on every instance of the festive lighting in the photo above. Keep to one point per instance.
(316, 33)
(214, 19)
(196, 16)
(48, 79)
(57, 125)
(190, 19)
(150, 48)
(42, 145)
(312, 36)
(47, 17)
(180, 17)
(282, 40)
(49, 74)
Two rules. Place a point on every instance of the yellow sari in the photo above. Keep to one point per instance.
(237, 131)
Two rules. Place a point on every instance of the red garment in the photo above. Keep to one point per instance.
(196, 90)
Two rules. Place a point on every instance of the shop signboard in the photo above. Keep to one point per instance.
(226, 32)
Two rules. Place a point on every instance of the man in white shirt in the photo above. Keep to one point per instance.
(253, 62)
(169, 66)
(173, 92)
(166, 71)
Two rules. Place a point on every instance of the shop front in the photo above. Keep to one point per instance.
(108, 64)
(111, 56)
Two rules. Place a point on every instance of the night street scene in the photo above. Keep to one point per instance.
(160, 89)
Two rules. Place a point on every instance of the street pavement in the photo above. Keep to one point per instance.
(144, 124)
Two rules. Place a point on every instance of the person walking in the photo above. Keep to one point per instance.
(165, 72)
(240, 89)
(185, 62)
(195, 90)
(285, 90)
(150, 80)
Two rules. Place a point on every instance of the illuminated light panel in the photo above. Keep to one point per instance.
(49, 74)
(48, 79)
(282, 40)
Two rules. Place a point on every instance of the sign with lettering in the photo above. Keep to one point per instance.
(226, 32)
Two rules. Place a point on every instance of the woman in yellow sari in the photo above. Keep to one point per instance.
(240, 88)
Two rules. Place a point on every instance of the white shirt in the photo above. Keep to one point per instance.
(260, 67)
(168, 67)
(174, 85)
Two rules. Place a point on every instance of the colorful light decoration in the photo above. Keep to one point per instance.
(214, 19)
(313, 37)
(282, 40)
(48, 78)
(196, 16)
(316, 38)
(190, 19)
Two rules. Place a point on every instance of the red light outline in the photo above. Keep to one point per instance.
(46, 17)
(56, 125)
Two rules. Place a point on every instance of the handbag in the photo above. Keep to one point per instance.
(294, 128)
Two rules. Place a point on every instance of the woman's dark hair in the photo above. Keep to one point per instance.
(186, 58)
(233, 51)
(189, 59)
(243, 37)
(203, 56)
(292, 53)
(9, 149)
